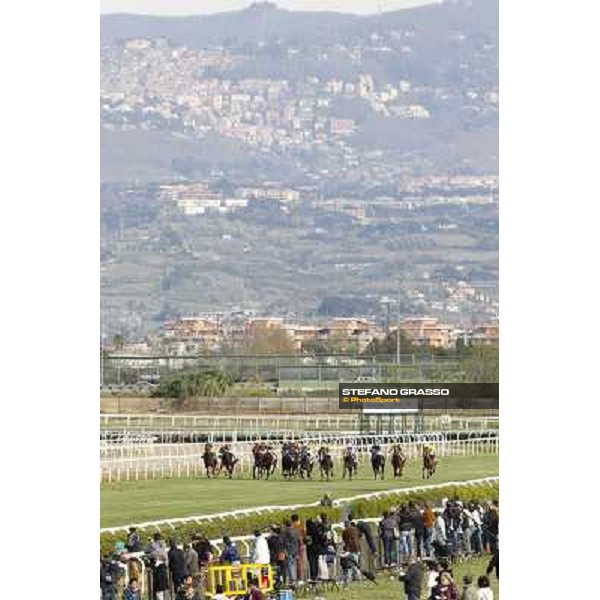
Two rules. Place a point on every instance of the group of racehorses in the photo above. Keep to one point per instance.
(297, 461)
(215, 464)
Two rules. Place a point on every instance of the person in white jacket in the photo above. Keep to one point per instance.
(440, 529)
(261, 555)
(484, 592)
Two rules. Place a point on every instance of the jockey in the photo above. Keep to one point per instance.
(350, 450)
(323, 450)
(226, 449)
(376, 450)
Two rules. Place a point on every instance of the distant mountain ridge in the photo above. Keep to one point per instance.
(255, 24)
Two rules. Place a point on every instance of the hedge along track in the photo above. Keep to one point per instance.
(394, 495)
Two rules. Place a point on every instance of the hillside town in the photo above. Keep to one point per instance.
(152, 85)
(230, 333)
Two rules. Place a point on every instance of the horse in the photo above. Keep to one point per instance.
(325, 465)
(268, 464)
(289, 463)
(305, 465)
(210, 461)
(429, 465)
(378, 464)
(228, 462)
(350, 465)
(257, 452)
(264, 461)
(398, 461)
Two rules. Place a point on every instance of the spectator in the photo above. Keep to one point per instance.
(413, 579)
(160, 579)
(453, 520)
(468, 529)
(433, 575)
(230, 555)
(254, 592)
(186, 591)
(312, 548)
(440, 542)
(406, 526)
(493, 524)
(132, 591)
(445, 567)
(351, 541)
(490, 527)
(428, 524)
(204, 550)
(278, 553)
(327, 501)
(290, 539)
(387, 533)
(134, 570)
(301, 557)
(177, 568)
(192, 564)
(419, 529)
(350, 569)
(109, 577)
(158, 550)
(469, 592)
(484, 592)
(326, 555)
(133, 543)
(367, 533)
(220, 593)
(494, 563)
(476, 539)
(445, 589)
(261, 554)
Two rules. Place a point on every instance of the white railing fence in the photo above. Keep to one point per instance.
(166, 524)
(152, 461)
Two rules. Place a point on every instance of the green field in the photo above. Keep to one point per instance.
(137, 501)
(388, 587)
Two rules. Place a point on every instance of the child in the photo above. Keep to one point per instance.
(484, 592)
(469, 591)
(432, 577)
(132, 591)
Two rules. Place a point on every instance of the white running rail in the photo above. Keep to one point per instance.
(290, 507)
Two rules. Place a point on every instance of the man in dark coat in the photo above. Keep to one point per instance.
(413, 580)
(419, 527)
(387, 533)
(203, 548)
(494, 564)
(291, 542)
(176, 564)
(110, 574)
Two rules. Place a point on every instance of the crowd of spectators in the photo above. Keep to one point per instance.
(420, 541)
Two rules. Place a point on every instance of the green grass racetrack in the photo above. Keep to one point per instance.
(137, 501)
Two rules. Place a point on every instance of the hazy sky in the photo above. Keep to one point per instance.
(189, 7)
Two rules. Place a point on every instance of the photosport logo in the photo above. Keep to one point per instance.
(419, 396)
